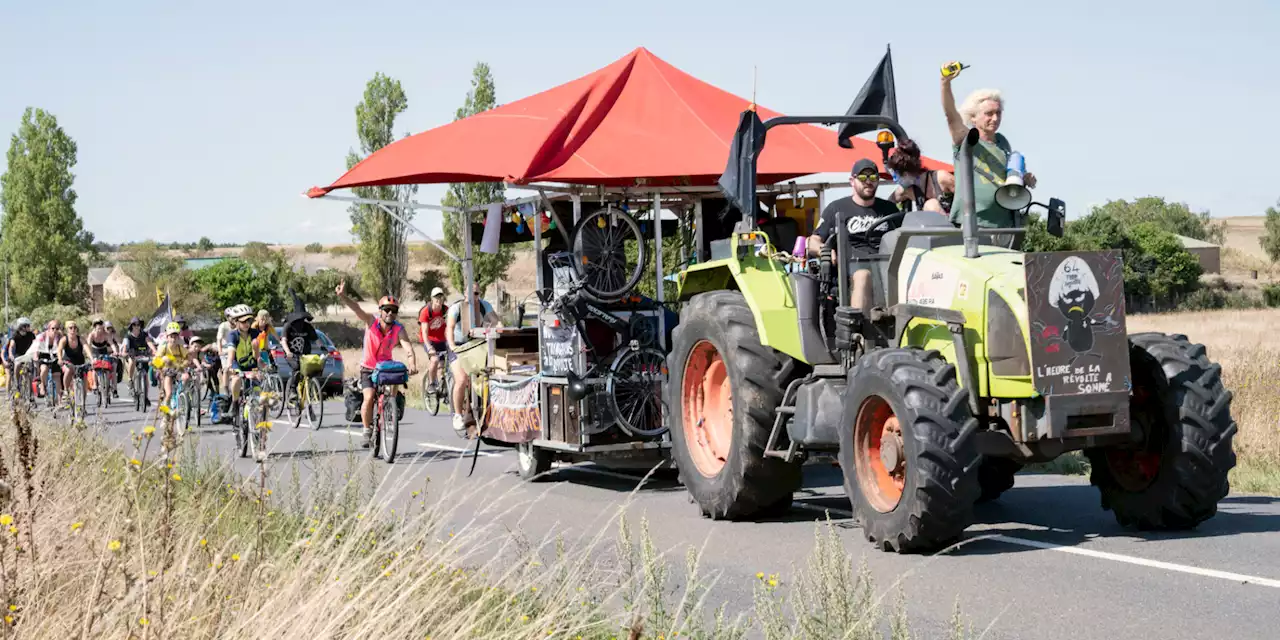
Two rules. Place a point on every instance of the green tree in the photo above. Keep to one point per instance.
(235, 281)
(314, 247)
(257, 253)
(427, 280)
(1174, 217)
(383, 256)
(148, 264)
(1166, 268)
(487, 267)
(1270, 239)
(204, 244)
(43, 237)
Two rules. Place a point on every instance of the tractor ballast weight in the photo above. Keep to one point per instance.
(974, 359)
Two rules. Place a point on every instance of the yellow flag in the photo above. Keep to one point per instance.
(159, 296)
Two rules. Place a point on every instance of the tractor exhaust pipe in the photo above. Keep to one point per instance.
(964, 185)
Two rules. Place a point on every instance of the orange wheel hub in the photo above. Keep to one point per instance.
(879, 454)
(707, 407)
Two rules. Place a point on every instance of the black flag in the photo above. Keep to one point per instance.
(877, 98)
(739, 179)
(160, 319)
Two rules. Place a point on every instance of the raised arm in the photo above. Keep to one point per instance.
(955, 123)
(408, 347)
(351, 304)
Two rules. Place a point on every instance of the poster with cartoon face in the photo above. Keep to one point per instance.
(1075, 304)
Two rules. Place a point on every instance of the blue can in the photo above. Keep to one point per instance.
(1017, 164)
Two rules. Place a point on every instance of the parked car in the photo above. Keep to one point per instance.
(331, 379)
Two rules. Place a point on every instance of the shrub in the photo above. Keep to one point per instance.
(343, 250)
(1271, 295)
(60, 312)
(314, 247)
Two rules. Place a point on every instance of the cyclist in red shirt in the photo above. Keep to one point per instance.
(431, 327)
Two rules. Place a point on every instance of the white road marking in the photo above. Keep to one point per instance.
(354, 432)
(1142, 562)
(445, 447)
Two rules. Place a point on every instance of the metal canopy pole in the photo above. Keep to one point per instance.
(657, 235)
(389, 211)
(468, 275)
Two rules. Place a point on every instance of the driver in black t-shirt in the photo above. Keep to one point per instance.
(857, 212)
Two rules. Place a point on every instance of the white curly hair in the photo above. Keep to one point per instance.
(970, 106)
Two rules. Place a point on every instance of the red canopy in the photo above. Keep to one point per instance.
(637, 119)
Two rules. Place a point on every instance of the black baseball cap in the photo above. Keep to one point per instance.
(863, 165)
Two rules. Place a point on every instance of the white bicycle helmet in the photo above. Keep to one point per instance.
(23, 322)
(239, 311)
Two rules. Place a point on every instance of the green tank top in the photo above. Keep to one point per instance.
(989, 162)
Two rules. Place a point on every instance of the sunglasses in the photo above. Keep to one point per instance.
(390, 309)
(867, 177)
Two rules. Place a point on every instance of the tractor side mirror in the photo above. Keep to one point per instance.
(1057, 217)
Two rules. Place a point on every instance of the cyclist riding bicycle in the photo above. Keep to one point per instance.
(46, 350)
(482, 316)
(380, 339)
(432, 322)
(102, 345)
(207, 357)
(174, 358)
(299, 335)
(73, 353)
(136, 344)
(241, 348)
(19, 343)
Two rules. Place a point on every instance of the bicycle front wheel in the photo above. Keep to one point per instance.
(430, 395)
(601, 253)
(313, 404)
(390, 427)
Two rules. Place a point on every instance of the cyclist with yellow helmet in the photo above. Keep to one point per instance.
(171, 355)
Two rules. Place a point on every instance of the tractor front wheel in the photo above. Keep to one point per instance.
(910, 469)
(1175, 477)
(723, 390)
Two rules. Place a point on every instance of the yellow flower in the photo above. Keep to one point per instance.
(177, 478)
(164, 408)
(149, 430)
(135, 462)
(773, 582)
(13, 530)
(203, 542)
(143, 621)
(8, 619)
(6, 519)
(759, 575)
(75, 526)
(235, 557)
(114, 545)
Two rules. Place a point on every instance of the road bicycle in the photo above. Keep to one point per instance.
(388, 378)
(180, 403)
(251, 417)
(24, 378)
(52, 381)
(306, 398)
(435, 395)
(103, 376)
(77, 399)
(271, 383)
(138, 382)
(627, 379)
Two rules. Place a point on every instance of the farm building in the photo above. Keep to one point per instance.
(1209, 254)
(108, 283)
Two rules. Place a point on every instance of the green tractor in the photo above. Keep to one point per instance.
(974, 359)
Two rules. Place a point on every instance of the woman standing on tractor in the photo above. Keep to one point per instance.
(984, 111)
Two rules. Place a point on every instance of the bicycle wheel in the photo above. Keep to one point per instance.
(600, 253)
(252, 417)
(241, 421)
(390, 427)
(375, 438)
(430, 395)
(312, 404)
(181, 415)
(634, 387)
(80, 400)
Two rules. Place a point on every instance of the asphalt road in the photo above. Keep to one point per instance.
(1043, 562)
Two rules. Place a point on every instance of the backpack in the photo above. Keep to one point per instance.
(219, 408)
(352, 400)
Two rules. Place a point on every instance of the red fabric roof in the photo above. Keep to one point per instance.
(638, 118)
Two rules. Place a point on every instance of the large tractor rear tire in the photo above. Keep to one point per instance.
(1175, 478)
(910, 467)
(723, 390)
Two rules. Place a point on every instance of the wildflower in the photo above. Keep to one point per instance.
(524, 618)
(533, 589)
(75, 526)
(235, 557)
(163, 409)
(6, 519)
(150, 430)
(773, 582)
(13, 530)
(177, 478)
(114, 545)
(13, 607)
(203, 542)
(143, 621)
(759, 575)
(135, 462)
(8, 619)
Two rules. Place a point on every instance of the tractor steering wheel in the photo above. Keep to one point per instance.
(866, 235)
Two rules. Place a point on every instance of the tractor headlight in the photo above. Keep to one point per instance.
(1006, 346)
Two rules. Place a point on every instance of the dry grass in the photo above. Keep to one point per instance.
(1245, 344)
(99, 542)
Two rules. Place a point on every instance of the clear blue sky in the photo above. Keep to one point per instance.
(211, 118)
